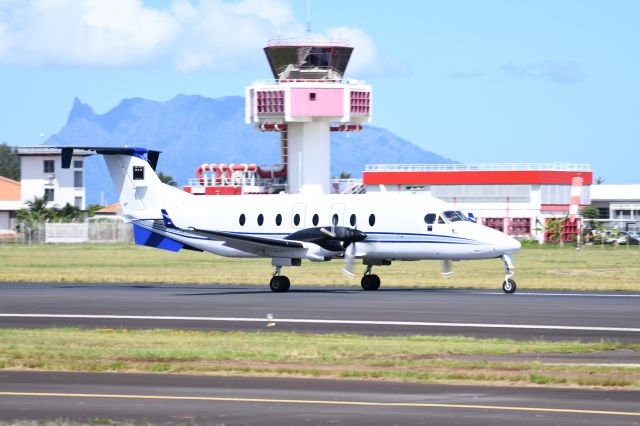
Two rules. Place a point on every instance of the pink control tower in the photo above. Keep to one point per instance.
(308, 99)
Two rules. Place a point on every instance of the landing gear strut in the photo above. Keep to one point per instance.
(370, 282)
(508, 285)
(279, 283)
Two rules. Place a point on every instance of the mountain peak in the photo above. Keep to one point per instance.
(80, 110)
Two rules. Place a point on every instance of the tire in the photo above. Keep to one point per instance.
(370, 282)
(509, 286)
(279, 284)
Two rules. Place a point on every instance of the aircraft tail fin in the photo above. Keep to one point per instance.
(133, 174)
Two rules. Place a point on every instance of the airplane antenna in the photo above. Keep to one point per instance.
(308, 17)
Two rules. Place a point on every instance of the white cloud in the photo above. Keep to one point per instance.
(365, 57)
(210, 34)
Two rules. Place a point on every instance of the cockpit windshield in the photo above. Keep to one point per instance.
(455, 216)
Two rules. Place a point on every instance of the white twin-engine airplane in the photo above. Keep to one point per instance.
(376, 227)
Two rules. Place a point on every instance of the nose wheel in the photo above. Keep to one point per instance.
(509, 284)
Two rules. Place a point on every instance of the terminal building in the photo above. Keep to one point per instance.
(517, 199)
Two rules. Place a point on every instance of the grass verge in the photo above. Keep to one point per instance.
(538, 267)
(427, 359)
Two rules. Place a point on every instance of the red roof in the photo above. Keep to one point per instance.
(9, 189)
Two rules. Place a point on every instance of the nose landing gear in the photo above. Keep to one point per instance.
(509, 284)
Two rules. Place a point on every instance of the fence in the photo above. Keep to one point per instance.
(93, 231)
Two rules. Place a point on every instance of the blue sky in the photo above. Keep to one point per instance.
(475, 81)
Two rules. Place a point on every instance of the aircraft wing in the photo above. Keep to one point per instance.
(250, 243)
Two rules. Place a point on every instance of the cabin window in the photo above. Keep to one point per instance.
(296, 219)
(260, 219)
(372, 219)
(352, 220)
(278, 219)
(430, 219)
(334, 220)
(242, 219)
(315, 220)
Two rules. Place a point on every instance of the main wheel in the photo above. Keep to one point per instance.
(279, 284)
(370, 282)
(509, 286)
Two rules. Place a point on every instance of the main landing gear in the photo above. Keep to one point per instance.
(509, 284)
(370, 282)
(279, 283)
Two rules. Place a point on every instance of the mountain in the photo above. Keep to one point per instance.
(191, 130)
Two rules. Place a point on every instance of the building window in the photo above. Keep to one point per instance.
(496, 223)
(49, 166)
(48, 194)
(77, 164)
(78, 202)
(520, 226)
(77, 179)
(312, 96)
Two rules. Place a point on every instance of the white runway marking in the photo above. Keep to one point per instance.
(565, 294)
(328, 321)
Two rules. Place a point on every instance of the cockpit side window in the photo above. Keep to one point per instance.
(440, 219)
(455, 216)
(430, 218)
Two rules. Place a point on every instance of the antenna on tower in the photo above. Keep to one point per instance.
(308, 17)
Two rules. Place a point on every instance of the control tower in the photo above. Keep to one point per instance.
(308, 99)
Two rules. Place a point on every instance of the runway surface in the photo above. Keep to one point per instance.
(178, 399)
(479, 313)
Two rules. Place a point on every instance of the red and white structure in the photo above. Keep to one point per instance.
(311, 98)
(308, 98)
(514, 198)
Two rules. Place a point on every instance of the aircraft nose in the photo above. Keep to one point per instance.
(510, 244)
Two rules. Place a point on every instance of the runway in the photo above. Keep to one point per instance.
(397, 311)
(180, 399)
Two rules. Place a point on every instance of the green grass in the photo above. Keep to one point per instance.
(537, 267)
(416, 359)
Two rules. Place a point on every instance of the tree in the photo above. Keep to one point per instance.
(553, 229)
(589, 214)
(599, 180)
(167, 179)
(9, 162)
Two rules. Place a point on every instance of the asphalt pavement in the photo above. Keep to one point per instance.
(181, 399)
(397, 311)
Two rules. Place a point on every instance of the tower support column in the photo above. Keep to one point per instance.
(309, 156)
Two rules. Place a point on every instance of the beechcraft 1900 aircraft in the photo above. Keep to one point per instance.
(377, 228)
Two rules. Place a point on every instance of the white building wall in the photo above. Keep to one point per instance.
(34, 180)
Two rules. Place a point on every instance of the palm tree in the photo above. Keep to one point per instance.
(167, 179)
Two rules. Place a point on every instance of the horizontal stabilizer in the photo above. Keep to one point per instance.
(145, 237)
(151, 155)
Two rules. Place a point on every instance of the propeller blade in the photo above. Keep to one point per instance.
(349, 256)
(328, 233)
(446, 269)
